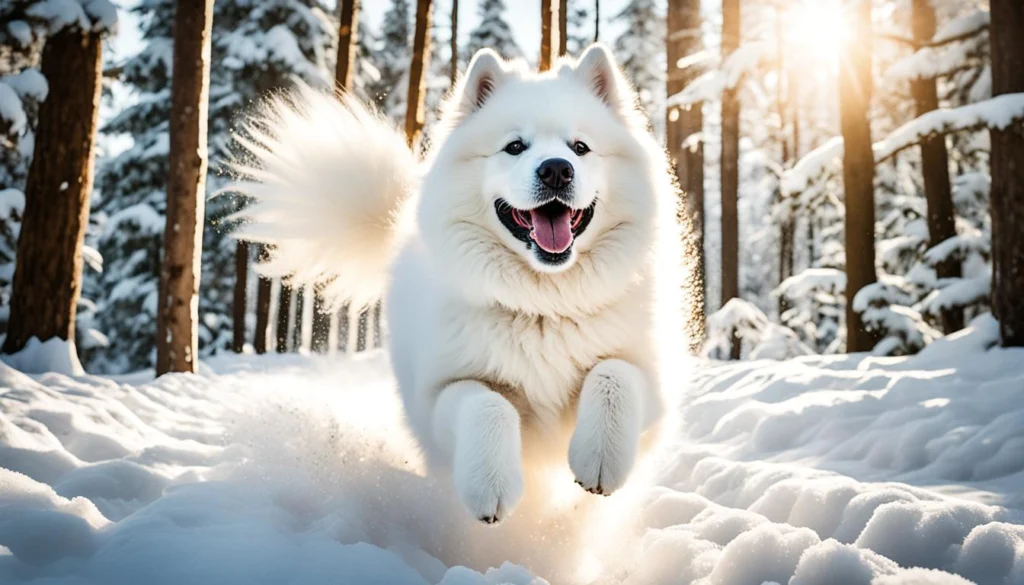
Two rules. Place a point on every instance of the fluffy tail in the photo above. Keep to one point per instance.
(328, 178)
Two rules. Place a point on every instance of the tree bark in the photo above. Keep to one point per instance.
(321, 325)
(48, 278)
(563, 27)
(454, 66)
(597, 21)
(348, 28)
(855, 87)
(684, 39)
(547, 22)
(261, 337)
(238, 302)
(378, 329)
(935, 164)
(730, 159)
(284, 303)
(1008, 175)
(296, 330)
(362, 331)
(177, 338)
(417, 74)
(344, 326)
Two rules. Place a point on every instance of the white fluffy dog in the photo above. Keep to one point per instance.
(530, 264)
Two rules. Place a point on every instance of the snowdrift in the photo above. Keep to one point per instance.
(290, 469)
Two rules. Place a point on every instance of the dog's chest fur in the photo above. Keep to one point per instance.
(538, 362)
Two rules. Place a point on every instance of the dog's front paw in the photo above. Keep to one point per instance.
(608, 426)
(488, 469)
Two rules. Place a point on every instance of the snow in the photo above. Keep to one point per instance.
(970, 23)
(709, 86)
(288, 468)
(21, 31)
(12, 201)
(998, 112)
(52, 355)
(29, 83)
(90, 15)
(11, 110)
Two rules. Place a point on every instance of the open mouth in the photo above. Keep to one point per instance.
(549, 230)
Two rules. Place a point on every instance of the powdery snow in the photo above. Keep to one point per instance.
(52, 355)
(998, 112)
(815, 471)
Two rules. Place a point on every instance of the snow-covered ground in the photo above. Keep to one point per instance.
(289, 469)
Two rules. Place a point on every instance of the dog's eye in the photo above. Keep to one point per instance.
(515, 148)
(580, 148)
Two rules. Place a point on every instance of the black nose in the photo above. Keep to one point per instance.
(555, 173)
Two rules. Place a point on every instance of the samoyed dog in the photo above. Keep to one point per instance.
(530, 262)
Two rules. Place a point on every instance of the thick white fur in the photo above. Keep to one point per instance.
(498, 357)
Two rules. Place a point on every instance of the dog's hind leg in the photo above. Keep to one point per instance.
(479, 430)
(609, 423)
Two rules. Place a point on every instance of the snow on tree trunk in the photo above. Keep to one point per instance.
(681, 125)
(935, 164)
(414, 112)
(48, 275)
(284, 303)
(238, 301)
(177, 338)
(855, 87)
(348, 25)
(1007, 158)
(730, 159)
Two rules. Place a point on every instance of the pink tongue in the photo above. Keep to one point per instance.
(552, 233)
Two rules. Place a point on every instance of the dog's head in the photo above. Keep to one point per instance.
(544, 186)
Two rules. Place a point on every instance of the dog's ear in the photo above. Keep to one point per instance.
(597, 69)
(486, 73)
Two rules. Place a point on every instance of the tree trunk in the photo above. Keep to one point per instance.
(284, 303)
(296, 330)
(782, 96)
(177, 338)
(320, 338)
(344, 326)
(597, 21)
(238, 301)
(417, 74)
(730, 160)
(348, 28)
(261, 337)
(378, 329)
(684, 39)
(855, 87)
(1008, 175)
(454, 66)
(935, 164)
(547, 20)
(48, 278)
(563, 27)
(362, 329)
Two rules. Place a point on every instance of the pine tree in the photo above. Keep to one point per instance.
(730, 159)
(392, 59)
(684, 40)
(255, 48)
(855, 85)
(577, 27)
(1008, 175)
(493, 32)
(59, 180)
(640, 51)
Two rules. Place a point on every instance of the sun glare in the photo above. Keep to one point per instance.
(816, 29)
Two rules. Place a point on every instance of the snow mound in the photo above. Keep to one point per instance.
(52, 355)
(284, 468)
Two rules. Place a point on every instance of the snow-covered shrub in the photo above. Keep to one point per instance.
(739, 330)
(883, 307)
(816, 298)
